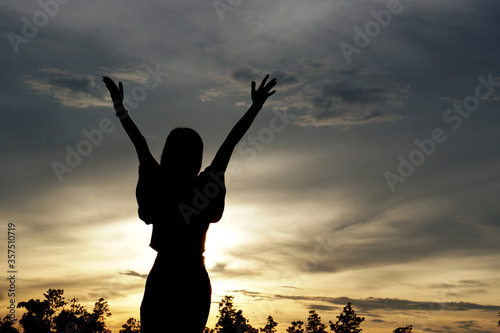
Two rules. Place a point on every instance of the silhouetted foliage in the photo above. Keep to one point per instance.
(50, 315)
(56, 303)
(208, 330)
(314, 324)
(131, 326)
(296, 327)
(347, 321)
(270, 326)
(72, 319)
(36, 319)
(100, 313)
(230, 319)
(406, 329)
(6, 326)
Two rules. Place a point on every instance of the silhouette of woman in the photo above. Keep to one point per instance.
(181, 203)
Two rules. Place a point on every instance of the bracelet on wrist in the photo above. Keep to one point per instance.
(122, 114)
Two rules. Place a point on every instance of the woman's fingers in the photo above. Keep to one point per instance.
(271, 84)
(263, 83)
(110, 84)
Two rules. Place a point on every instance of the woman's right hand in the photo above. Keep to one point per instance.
(115, 92)
(260, 95)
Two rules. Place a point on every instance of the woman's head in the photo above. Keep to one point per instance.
(183, 152)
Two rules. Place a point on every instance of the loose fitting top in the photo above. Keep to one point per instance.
(180, 217)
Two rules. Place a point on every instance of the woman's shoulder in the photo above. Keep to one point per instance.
(150, 165)
(209, 175)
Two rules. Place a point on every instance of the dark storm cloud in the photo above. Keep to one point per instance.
(349, 93)
(285, 79)
(360, 95)
(246, 74)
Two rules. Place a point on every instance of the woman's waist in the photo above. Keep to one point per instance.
(183, 256)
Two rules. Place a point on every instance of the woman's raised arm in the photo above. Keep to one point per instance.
(259, 97)
(130, 127)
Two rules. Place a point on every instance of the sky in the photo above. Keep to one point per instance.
(370, 177)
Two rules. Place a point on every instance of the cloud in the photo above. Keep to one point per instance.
(348, 93)
(258, 296)
(244, 74)
(221, 270)
(372, 303)
(285, 79)
(377, 321)
(321, 307)
(312, 66)
(134, 273)
(69, 89)
(389, 304)
(459, 284)
(347, 102)
(344, 96)
(467, 324)
(358, 95)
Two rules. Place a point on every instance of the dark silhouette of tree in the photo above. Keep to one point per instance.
(36, 319)
(208, 330)
(100, 313)
(347, 321)
(314, 324)
(132, 326)
(50, 315)
(73, 319)
(406, 329)
(6, 326)
(296, 327)
(270, 326)
(230, 319)
(56, 303)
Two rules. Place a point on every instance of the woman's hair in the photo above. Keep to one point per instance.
(183, 151)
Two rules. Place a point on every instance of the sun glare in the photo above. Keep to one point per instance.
(226, 234)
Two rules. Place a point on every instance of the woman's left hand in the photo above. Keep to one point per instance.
(115, 92)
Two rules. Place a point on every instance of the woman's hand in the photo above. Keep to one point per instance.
(115, 92)
(260, 95)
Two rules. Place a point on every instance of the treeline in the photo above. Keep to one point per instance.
(231, 320)
(55, 315)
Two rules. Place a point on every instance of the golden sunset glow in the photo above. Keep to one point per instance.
(370, 177)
